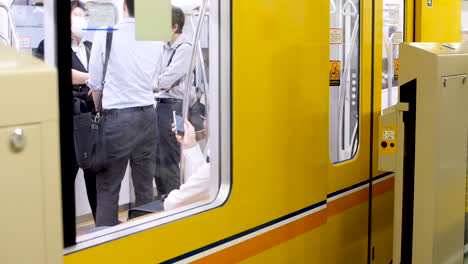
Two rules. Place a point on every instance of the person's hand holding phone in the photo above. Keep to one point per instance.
(188, 140)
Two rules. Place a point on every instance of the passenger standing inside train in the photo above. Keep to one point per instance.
(128, 112)
(81, 51)
(170, 88)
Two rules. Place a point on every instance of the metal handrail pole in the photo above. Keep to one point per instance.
(205, 83)
(188, 84)
(14, 39)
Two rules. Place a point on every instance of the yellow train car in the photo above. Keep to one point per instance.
(296, 90)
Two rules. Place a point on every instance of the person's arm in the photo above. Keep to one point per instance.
(197, 186)
(157, 72)
(177, 69)
(96, 64)
(79, 77)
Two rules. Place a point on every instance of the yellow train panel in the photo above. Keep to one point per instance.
(382, 228)
(279, 89)
(348, 235)
(307, 248)
(440, 22)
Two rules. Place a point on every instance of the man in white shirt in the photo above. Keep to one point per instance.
(128, 112)
(170, 88)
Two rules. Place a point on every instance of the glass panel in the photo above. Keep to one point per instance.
(466, 216)
(465, 39)
(149, 187)
(25, 30)
(465, 21)
(393, 35)
(344, 79)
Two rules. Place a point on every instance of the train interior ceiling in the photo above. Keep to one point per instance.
(24, 26)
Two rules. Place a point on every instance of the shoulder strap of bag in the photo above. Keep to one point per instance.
(109, 36)
(88, 46)
(172, 56)
(170, 61)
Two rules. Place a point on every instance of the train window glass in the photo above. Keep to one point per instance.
(22, 25)
(393, 35)
(170, 196)
(464, 21)
(466, 213)
(345, 81)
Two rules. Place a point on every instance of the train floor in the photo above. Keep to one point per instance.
(86, 227)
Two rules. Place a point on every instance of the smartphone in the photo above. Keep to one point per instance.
(179, 123)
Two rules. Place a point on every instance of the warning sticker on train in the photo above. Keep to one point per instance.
(335, 73)
(336, 36)
(397, 38)
(388, 139)
(396, 67)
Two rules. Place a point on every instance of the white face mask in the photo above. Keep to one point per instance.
(78, 26)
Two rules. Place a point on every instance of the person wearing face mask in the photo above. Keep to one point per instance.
(82, 98)
(81, 51)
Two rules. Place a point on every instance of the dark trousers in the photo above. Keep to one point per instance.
(167, 175)
(130, 136)
(90, 182)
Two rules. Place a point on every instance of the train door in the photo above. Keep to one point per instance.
(349, 128)
(389, 32)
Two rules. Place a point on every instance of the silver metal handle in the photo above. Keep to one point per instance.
(5, 38)
(332, 7)
(18, 140)
(14, 39)
(188, 84)
(351, 12)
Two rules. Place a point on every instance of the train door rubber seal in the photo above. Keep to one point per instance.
(408, 95)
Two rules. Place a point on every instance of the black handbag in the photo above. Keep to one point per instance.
(88, 132)
(197, 117)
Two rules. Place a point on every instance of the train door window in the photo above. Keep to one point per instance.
(204, 184)
(465, 21)
(466, 213)
(393, 35)
(345, 81)
(22, 25)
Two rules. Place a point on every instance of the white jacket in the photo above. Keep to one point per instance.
(197, 181)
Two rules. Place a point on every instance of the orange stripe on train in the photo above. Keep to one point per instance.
(258, 244)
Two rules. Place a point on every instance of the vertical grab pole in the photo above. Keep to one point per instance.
(205, 83)
(391, 74)
(188, 84)
(14, 39)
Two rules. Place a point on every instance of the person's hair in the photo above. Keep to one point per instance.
(178, 18)
(74, 4)
(131, 7)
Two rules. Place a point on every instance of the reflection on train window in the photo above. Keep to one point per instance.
(344, 79)
(393, 35)
(464, 21)
(22, 24)
(149, 171)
